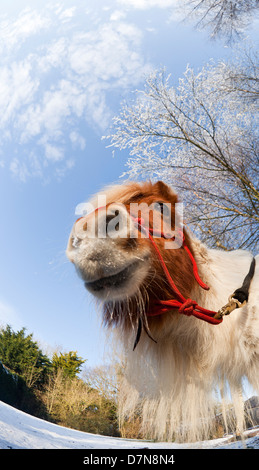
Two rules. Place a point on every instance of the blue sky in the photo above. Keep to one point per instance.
(65, 68)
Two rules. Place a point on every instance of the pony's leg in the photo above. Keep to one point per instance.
(238, 403)
(222, 391)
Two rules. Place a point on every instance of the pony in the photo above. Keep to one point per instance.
(176, 367)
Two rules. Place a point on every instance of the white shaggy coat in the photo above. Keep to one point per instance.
(173, 382)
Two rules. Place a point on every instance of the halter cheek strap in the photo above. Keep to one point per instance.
(186, 306)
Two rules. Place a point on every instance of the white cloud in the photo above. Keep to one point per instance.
(77, 140)
(57, 72)
(19, 169)
(66, 15)
(47, 117)
(28, 23)
(26, 167)
(117, 15)
(146, 4)
(104, 54)
(176, 10)
(54, 55)
(54, 153)
(16, 89)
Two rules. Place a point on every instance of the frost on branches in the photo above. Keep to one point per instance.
(202, 138)
(227, 18)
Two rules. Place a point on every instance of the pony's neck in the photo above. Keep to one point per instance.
(223, 271)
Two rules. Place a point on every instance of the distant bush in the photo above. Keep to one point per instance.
(70, 363)
(73, 403)
(23, 356)
(51, 389)
(15, 392)
(10, 386)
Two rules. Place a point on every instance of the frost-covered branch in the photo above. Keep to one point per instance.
(228, 18)
(202, 138)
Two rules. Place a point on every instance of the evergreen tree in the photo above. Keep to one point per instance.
(22, 355)
(70, 363)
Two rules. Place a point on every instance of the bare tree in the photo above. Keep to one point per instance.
(202, 138)
(228, 18)
(104, 379)
(242, 77)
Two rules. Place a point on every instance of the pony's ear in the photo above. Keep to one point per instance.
(165, 191)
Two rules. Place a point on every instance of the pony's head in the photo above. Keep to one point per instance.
(112, 253)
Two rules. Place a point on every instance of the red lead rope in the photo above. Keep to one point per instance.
(186, 306)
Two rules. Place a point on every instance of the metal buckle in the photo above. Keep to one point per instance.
(229, 307)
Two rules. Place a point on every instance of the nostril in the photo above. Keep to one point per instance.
(75, 241)
(110, 217)
(85, 227)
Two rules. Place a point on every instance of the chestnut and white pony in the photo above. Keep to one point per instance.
(170, 377)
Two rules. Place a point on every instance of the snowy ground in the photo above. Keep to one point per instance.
(19, 430)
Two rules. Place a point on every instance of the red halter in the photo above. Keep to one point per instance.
(185, 306)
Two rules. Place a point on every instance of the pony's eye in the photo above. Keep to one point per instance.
(163, 207)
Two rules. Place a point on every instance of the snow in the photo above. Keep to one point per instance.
(19, 430)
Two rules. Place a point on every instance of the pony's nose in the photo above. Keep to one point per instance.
(111, 221)
(81, 226)
(114, 223)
